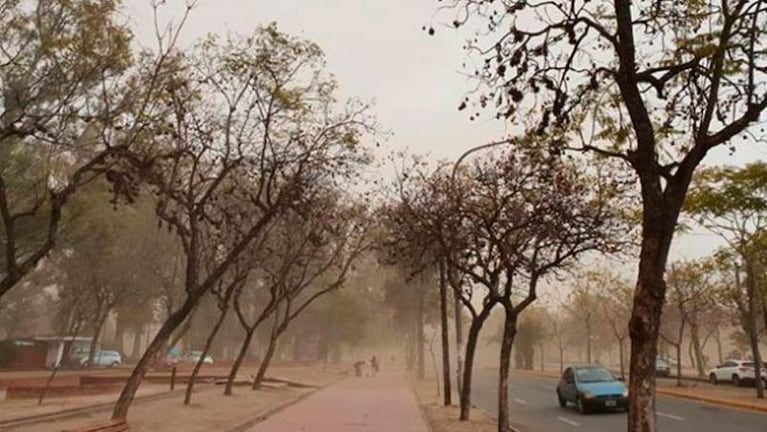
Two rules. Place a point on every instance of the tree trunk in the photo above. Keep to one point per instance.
(644, 325)
(691, 354)
(509, 331)
(262, 368)
(622, 362)
(447, 393)
(718, 340)
(588, 341)
(120, 335)
(136, 348)
(277, 329)
(420, 342)
(471, 346)
(753, 339)
(99, 325)
(297, 347)
(678, 363)
(753, 327)
(158, 343)
(176, 337)
(238, 361)
(458, 342)
(58, 363)
(562, 359)
(697, 346)
(410, 352)
(201, 360)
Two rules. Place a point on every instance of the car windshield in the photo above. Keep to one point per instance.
(591, 375)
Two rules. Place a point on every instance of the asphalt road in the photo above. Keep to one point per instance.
(534, 408)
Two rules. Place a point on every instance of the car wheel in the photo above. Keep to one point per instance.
(581, 406)
(114, 364)
(562, 401)
(712, 379)
(736, 380)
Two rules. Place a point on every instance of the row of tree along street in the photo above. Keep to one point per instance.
(653, 86)
(159, 182)
(229, 167)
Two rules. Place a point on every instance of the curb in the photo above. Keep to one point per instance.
(421, 405)
(242, 427)
(713, 401)
(494, 417)
(424, 415)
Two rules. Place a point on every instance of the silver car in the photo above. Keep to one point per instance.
(104, 359)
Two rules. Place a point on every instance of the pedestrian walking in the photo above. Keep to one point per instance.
(374, 365)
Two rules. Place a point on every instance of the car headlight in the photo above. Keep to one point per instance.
(587, 395)
(625, 393)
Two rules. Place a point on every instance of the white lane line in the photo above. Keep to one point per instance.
(520, 401)
(671, 416)
(568, 421)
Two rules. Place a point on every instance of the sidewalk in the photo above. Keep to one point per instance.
(371, 404)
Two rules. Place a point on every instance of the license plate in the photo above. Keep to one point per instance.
(610, 403)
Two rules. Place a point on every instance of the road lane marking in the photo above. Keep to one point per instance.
(520, 401)
(671, 416)
(568, 421)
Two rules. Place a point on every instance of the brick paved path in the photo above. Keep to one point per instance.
(368, 404)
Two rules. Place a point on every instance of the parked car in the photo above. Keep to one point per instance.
(590, 387)
(194, 357)
(737, 372)
(104, 359)
(662, 368)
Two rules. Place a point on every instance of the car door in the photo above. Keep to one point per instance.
(725, 372)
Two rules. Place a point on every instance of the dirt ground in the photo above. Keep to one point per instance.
(445, 419)
(16, 408)
(209, 411)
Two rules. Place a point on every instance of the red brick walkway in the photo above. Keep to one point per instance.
(370, 404)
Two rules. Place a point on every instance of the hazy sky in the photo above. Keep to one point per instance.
(379, 52)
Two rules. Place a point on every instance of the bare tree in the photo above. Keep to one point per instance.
(583, 305)
(689, 288)
(561, 329)
(615, 294)
(73, 102)
(223, 292)
(319, 275)
(254, 128)
(732, 203)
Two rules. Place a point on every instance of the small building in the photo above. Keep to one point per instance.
(43, 352)
(66, 350)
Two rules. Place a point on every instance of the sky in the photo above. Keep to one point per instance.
(379, 52)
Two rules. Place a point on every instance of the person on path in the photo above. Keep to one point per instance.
(374, 365)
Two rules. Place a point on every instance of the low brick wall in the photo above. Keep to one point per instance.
(154, 379)
(21, 392)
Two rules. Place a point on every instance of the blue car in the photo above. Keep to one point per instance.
(591, 387)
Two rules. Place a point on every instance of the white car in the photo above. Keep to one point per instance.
(735, 371)
(104, 359)
(194, 357)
